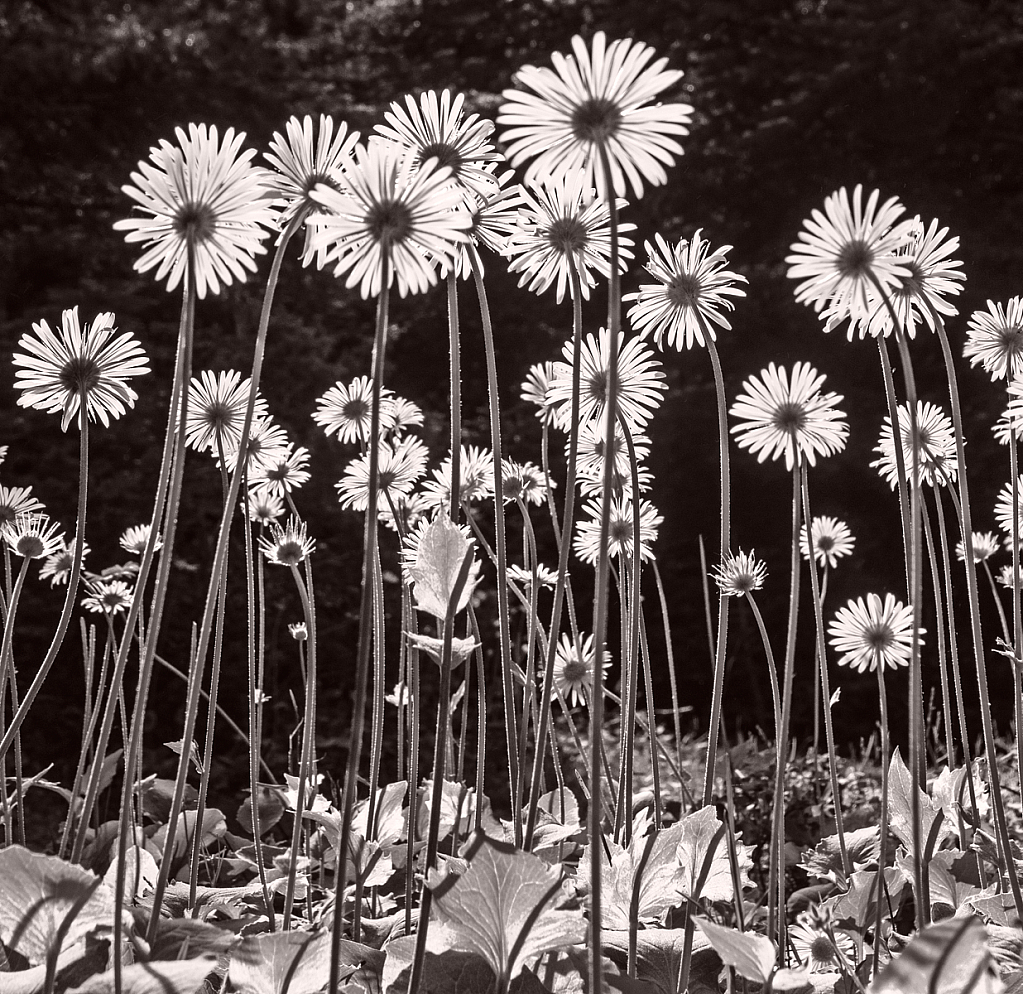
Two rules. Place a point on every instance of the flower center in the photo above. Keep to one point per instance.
(879, 638)
(290, 552)
(595, 120)
(30, 546)
(356, 409)
(218, 414)
(790, 417)
(195, 222)
(855, 258)
(7, 513)
(598, 384)
(387, 479)
(822, 950)
(621, 532)
(913, 284)
(576, 671)
(79, 375)
(684, 291)
(389, 222)
(445, 154)
(1010, 338)
(825, 543)
(567, 235)
(112, 600)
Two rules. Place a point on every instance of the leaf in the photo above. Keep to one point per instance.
(461, 650)
(697, 835)
(857, 907)
(265, 964)
(442, 549)
(753, 956)
(140, 874)
(457, 804)
(44, 899)
(1000, 908)
(659, 955)
(952, 793)
(949, 958)
(160, 977)
(157, 794)
(946, 884)
(825, 860)
(178, 938)
(194, 756)
(269, 808)
(450, 972)
(214, 825)
(503, 908)
(900, 804)
(389, 818)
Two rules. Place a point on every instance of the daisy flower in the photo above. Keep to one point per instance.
(524, 481)
(934, 443)
(591, 445)
(561, 228)
(58, 371)
(303, 164)
(1003, 509)
(411, 509)
(587, 536)
(740, 575)
(841, 250)
(282, 471)
(871, 633)
(436, 129)
(265, 446)
(389, 208)
(573, 667)
(815, 950)
(287, 546)
(693, 289)
(983, 545)
(298, 631)
(202, 196)
(783, 414)
(640, 377)
(495, 218)
(1005, 576)
(832, 540)
(15, 501)
(108, 597)
(403, 414)
(534, 390)
(3, 453)
(216, 408)
(476, 478)
(33, 536)
(994, 339)
(264, 507)
(596, 99)
(57, 568)
(590, 480)
(136, 537)
(545, 576)
(399, 468)
(347, 410)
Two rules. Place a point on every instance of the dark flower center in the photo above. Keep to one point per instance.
(387, 479)
(684, 291)
(195, 222)
(356, 409)
(79, 375)
(790, 417)
(568, 235)
(7, 513)
(1010, 338)
(112, 599)
(445, 154)
(825, 543)
(879, 638)
(913, 284)
(218, 414)
(389, 222)
(855, 258)
(595, 120)
(30, 546)
(822, 950)
(621, 532)
(576, 671)
(290, 552)
(598, 384)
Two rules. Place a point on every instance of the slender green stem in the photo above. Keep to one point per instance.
(772, 669)
(1006, 634)
(456, 397)
(885, 760)
(672, 676)
(939, 613)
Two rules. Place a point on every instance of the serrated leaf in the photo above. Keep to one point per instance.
(171, 977)
(449, 972)
(753, 956)
(825, 860)
(504, 908)
(900, 805)
(442, 548)
(698, 831)
(42, 895)
(1000, 908)
(948, 958)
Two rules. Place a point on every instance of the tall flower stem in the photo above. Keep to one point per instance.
(376, 734)
(1016, 641)
(351, 785)
(822, 663)
(672, 676)
(722, 637)
(994, 784)
(939, 613)
(564, 549)
(455, 352)
(772, 669)
(503, 614)
(885, 759)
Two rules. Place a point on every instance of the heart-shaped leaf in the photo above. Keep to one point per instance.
(442, 548)
(900, 806)
(697, 835)
(753, 956)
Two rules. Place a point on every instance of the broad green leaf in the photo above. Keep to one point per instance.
(825, 860)
(952, 792)
(269, 808)
(900, 805)
(1000, 908)
(659, 956)
(449, 972)
(294, 962)
(164, 977)
(753, 956)
(458, 803)
(442, 549)
(140, 874)
(214, 825)
(504, 908)
(389, 818)
(948, 958)
(157, 794)
(697, 831)
(857, 906)
(42, 897)
(461, 650)
(177, 938)
(947, 884)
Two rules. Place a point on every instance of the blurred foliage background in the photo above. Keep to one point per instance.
(793, 99)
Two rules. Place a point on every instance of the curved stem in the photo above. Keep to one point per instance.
(770, 663)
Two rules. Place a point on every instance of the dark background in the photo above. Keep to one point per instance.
(792, 100)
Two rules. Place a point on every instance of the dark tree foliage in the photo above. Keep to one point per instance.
(792, 99)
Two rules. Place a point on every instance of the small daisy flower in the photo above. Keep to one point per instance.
(403, 414)
(136, 537)
(15, 501)
(787, 415)
(587, 536)
(347, 409)
(283, 471)
(399, 697)
(298, 630)
(573, 668)
(436, 129)
(58, 371)
(524, 481)
(592, 439)
(302, 165)
(399, 469)
(108, 597)
(815, 950)
(1005, 576)
(202, 196)
(935, 446)
(1003, 509)
(693, 285)
(33, 536)
(495, 218)
(216, 409)
(841, 250)
(265, 447)
(545, 576)
(535, 387)
(562, 228)
(740, 574)
(640, 381)
(832, 540)
(411, 509)
(597, 99)
(871, 633)
(994, 339)
(3, 453)
(476, 478)
(590, 481)
(983, 545)
(389, 208)
(287, 546)
(264, 507)
(57, 568)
